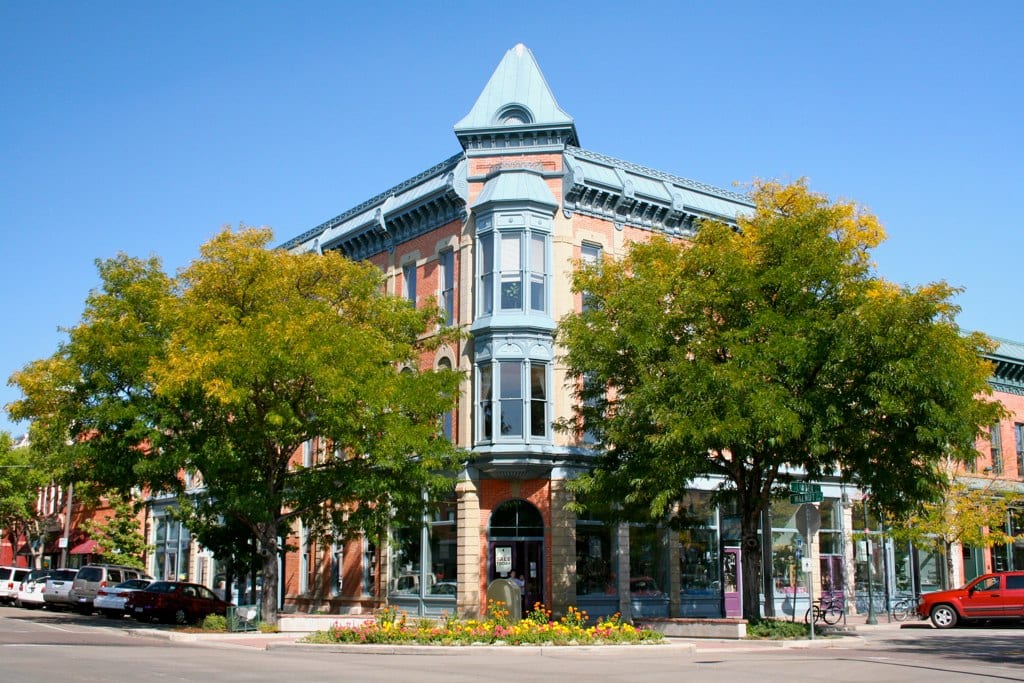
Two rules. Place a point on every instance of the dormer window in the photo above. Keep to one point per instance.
(514, 115)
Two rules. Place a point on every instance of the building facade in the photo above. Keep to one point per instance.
(492, 235)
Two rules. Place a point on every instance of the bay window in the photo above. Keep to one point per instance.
(514, 260)
(521, 409)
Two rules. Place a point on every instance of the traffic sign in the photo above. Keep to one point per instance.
(810, 497)
(804, 487)
(808, 519)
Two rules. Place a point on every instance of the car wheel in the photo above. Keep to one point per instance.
(181, 617)
(944, 616)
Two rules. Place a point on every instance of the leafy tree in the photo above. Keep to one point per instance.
(119, 537)
(22, 472)
(754, 352)
(974, 517)
(226, 369)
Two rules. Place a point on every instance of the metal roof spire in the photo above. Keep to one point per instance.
(516, 98)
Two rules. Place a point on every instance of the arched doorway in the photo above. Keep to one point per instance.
(516, 543)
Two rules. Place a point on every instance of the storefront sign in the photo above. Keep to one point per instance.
(503, 559)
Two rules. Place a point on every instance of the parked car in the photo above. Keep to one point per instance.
(57, 591)
(174, 601)
(990, 596)
(10, 579)
(110, 600)
(644, 587)
(30, 590)
(93, 577)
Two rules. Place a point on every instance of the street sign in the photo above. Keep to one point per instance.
(808, 519)
(804, 487)
(810, 497)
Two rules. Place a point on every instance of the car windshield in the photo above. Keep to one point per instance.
(133, 583)
(64, 574)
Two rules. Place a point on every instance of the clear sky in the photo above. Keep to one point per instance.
(144, 127)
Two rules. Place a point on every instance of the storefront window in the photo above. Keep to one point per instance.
(647, 562)
(424, 560)
(789, 579)
(699, 560)
(595, 559)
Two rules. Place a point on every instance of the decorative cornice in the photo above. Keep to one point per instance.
(446, 166)
(516, 139)
(666, 203)
(387, 230)
(661, 175)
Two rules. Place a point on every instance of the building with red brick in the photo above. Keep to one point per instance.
(492, 234)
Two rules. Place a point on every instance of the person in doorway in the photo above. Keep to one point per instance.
(516, 579)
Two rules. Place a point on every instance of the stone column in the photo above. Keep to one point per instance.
(563, 549)
(674, 581)
(468, 596)
(622, 574)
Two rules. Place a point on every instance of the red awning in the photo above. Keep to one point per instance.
(84, 548)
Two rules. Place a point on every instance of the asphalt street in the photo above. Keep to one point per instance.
(65, 647)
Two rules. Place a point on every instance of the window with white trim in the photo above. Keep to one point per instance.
(590, 255)
(522, 406)
(447, 299)
(513, 260)
(409, 279)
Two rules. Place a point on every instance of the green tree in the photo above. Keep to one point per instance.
(962, 514)
(22, 472)
(119, 537)
(226, 369)
(752, 352)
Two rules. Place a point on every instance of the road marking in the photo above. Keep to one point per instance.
(55, 628)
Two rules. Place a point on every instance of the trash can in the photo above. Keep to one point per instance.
(509, 593)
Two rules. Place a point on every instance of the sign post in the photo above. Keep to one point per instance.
(808, 522)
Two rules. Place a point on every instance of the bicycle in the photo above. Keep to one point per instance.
(904, 607)
(829, 610)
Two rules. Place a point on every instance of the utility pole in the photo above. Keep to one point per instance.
(67, 528)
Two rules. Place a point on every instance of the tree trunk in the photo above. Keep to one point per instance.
(268, 549)
(751, 566)
(949, 578)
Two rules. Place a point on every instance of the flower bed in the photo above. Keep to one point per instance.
(391, 626)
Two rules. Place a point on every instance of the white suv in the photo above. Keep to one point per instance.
(92, 577)
(10, 580)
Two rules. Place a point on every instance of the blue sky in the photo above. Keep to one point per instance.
(144, 127)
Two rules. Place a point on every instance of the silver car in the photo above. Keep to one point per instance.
(110, 600)
(56, 592)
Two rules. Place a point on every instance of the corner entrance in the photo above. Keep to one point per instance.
(516, 544)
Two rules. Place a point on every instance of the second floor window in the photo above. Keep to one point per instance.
(590, 255)
(447, 265)
(409, 277)
(512, 400)
(1018, 432)
(996, 440)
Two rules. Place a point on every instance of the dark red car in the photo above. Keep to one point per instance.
(992, 596)
(174, 601)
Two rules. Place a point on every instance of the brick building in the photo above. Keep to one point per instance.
(492, 234)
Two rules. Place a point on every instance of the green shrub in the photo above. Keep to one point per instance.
(777, 629)
(267, 628)
(215, 622)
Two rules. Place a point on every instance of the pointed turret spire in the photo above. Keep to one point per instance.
(516, 109)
